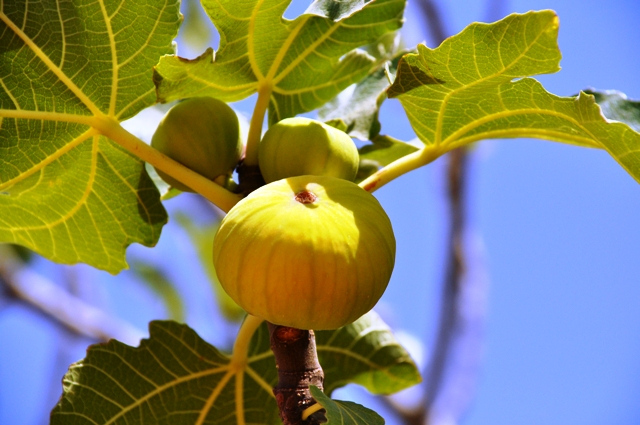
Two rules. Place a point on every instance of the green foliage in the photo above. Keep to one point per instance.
(359, 109)
(69, 193)
(474, 87)
(175, 377)
(74, 187)
(304, 62)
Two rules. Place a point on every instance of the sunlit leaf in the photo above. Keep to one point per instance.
(475, 86)
(305, 61)
(345, 412)
(65, 69)
(176, 377)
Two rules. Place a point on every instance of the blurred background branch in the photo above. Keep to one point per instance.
(41, 294)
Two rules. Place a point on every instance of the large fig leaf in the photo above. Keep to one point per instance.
(475, 86)
(303, 62)
(176, 377)
(66, 68)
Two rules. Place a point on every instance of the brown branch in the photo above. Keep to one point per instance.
(298, 368)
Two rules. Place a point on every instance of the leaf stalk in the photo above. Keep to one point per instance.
(240, 351)
(215, 193)
(255, 127)
(402, 166)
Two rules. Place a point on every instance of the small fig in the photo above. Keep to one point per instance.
(201, 133)
(308, 252)
(302, 146)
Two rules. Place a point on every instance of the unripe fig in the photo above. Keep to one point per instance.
(309, 252)
(201, 133)
(302, 146)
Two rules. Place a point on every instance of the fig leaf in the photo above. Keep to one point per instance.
(176, 376)
(305, 62)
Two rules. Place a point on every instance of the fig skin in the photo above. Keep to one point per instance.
(302, 146)
(201, 133)
(308, 252)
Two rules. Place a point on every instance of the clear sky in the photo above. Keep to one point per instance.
(556, 240)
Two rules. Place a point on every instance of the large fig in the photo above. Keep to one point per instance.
(201, 133)
(300, 146)
(309, 252)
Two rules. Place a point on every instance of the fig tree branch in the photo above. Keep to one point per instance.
(298, 368)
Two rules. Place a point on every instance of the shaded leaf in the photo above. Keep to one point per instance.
(474, 87)
(366, 353)
(616, 106)
(345, 412)
(65, 191)
(305, 61)
(385, 149)
(358, 106)
(382, 151)
(176, 377)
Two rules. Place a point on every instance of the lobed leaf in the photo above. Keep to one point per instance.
(303, 62)
(65, 191)
(475, 86)
(175, 377)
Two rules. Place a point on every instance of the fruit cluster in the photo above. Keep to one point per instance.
(310, 249)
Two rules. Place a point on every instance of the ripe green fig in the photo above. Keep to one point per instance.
(308, 252)
(302, 146)
(201, 133)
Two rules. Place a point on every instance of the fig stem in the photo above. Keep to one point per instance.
(218, 195)
(298, 368)
(402, 166)
(255, 127)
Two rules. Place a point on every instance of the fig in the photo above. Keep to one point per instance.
(308, 252)
(302, 146)
(201, 133)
